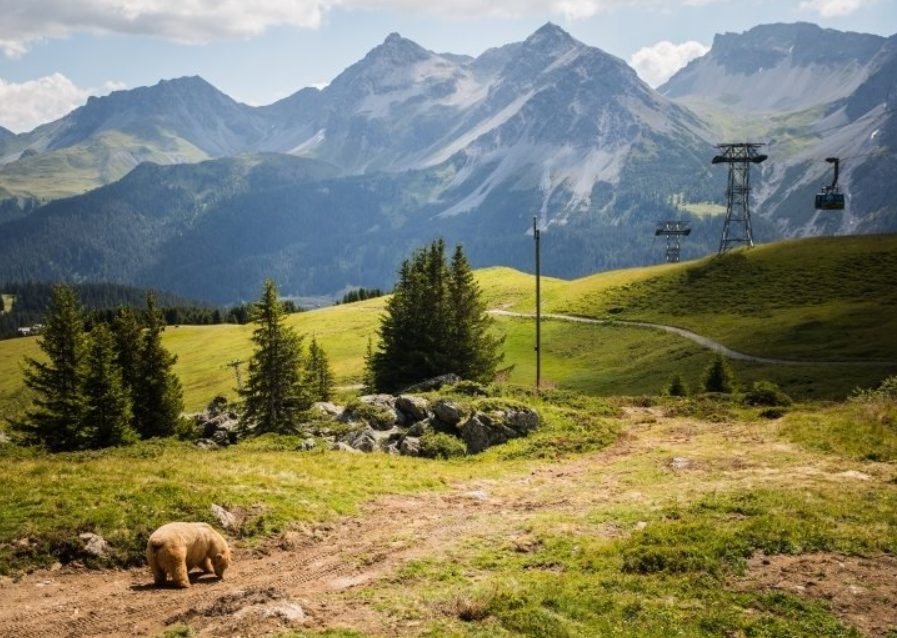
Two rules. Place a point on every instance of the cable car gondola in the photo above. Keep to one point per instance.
(831, 197)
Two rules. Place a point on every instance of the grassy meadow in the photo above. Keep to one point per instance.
(627, 514)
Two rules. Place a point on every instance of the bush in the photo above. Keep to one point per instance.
(887, 391)
(439, 445)
(767, 393)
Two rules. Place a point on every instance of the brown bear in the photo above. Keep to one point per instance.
(176, 548)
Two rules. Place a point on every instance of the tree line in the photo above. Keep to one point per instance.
(108, 386)
(112, 383)
(101, 301)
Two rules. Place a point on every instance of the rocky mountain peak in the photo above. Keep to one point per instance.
(551, 40)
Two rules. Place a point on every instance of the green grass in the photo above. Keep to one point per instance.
(593, 571)
(125, 493)
(826, 299)
(100, 160)
(856, 430)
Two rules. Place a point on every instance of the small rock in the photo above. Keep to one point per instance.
(225, 518)
(95, 545)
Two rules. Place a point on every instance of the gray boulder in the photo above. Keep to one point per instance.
(433, 384)
(480, 432)
(413, 408)
(410, 446)
(448, 412)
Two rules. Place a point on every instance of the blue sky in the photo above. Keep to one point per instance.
(56, 53)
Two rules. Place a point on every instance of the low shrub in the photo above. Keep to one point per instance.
(376, 416)
(767, 393)
(439, 445)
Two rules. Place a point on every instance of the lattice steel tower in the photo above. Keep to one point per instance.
(739, 157)
(674, 231)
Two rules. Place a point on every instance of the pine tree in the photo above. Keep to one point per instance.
(319, 378)
(435, 323)
(273, 394)
(107, 416)
(718, 377)
(158, 396)
(57, 383)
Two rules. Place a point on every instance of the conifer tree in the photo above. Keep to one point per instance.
(474, 351)
(107, 415)
(718, 377)
(57, 383)
(157, 396)
(677, 387)
(368, 379)
(273, 394)
(435, 323)
(319, 378)
(128, 335)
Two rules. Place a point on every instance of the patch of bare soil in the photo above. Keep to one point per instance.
(862, 592)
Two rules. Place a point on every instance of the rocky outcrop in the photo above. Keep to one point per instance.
(386, 423)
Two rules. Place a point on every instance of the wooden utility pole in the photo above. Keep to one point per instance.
(538, 307)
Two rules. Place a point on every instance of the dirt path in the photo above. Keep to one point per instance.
(309, 579)
(701, 340)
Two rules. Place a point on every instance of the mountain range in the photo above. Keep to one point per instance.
(177, 186)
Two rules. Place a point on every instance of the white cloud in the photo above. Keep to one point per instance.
(199, 21)
(834, 8)
(29, 104)
(189, 21)
(655, 65)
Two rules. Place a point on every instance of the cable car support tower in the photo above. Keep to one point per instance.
(737, 228)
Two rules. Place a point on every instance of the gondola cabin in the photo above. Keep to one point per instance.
(830, 201)
(831, 197)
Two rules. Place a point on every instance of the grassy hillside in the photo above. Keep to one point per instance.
(100, 160)
(823, 299)
(829, 299)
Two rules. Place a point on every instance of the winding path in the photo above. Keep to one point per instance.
(701, 340)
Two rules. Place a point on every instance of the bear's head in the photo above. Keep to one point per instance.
(220, 561)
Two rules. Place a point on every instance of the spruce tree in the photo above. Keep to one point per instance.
(273, 394)
(128, 335)
(718, 377)
(474, 351)
(369, 379)
(319, 379)
(677, 387)
(107, 416)
(158, 396)
(57, 419)
(435, 324)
